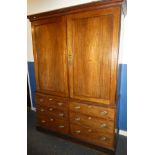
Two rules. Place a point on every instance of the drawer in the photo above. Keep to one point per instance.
(41, 99)
(94, 122)
(47, 100)
(52, 111)
(58, 125)
(93, 110)
(43, 121)
(57, 102)
(92, 136)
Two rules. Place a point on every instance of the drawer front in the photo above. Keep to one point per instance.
(92, 136)
(47, 100)
(52, 123)
(41, 99)
(94, 122)
(58, 125)
(97, 111)
(43, 121)
(57, 102)
(52, 111)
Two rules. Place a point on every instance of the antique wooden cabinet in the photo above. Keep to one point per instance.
(76, 53)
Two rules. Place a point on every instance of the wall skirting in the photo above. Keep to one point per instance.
(122, 132)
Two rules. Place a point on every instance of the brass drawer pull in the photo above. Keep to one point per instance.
(77, 131)
(50, 99)
(78, 119)
(51, 119)
(89, 130)
(61, 114)
(60, 103)
(42, 110)
(103, 138)
(43, 121)
(77, 107)
(61, 126)
(103, 125)
(104, 113)
(50, 109)
(89, 118)
(41, 99)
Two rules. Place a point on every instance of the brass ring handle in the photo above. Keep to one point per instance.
(61, 126)
(77, 119)
(50, 109)
(51, 119)
(60, 103)
(89, 118)
(61, 114)
(103, 125)
(104, 113)
(89, 130)
(77, 107)
(43, 121)
(42, 110)
(41, 99)
(103, 138)
(50, 99)
(77, 131)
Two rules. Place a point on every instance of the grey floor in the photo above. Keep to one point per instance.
(41, 143)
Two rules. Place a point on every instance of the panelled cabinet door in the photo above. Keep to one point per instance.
(50, 53)
(93, 49)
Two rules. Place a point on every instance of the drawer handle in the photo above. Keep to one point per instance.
(89, 130)
(61, 114)
(41, 100)
(77, 119)
(103, 138)
(51, 119)
(43, 121)
(103, 125)
(89, 118)
(61, 126)
(50, 109)
(77, 131)
(60, 103)
(42, 110)
(50, 99)
(77, 107)
(103, 113)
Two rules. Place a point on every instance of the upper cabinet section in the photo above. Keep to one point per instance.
(93, 48)
(50, 53)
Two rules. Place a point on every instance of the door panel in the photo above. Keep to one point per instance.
(91, 47)
(50, 47)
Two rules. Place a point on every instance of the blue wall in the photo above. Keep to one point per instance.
(122, 105)
(122, 92)
(32, 81)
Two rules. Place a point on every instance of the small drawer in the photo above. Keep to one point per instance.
(57, 102)
(41, 99)
(43, 121)
(92, 110)
(58, 125)
(90, 135)
(93, 122)
(58, 113)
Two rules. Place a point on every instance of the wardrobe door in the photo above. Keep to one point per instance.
(49, 42)
(93, 47)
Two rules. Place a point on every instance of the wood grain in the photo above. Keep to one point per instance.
(50, 51)
(92, 45)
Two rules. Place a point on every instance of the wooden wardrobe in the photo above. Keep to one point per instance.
(76, 54)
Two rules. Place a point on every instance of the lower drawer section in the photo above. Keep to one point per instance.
(92, 136)
(53, 124)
